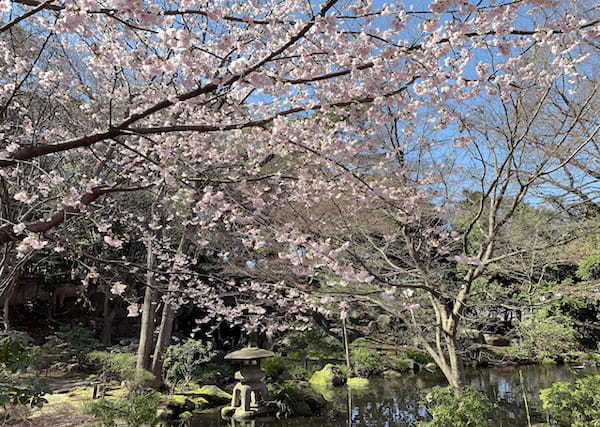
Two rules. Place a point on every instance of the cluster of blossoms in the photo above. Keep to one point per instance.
(253, 120)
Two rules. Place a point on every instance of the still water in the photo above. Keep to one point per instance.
(388, 403)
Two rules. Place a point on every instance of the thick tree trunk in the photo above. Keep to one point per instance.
(147, 323)
(444, 350)
(164, 339)
(451, 366)
(457, 377)
(166, 327)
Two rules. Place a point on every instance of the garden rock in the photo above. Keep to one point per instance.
(330, 375)
(211, 394)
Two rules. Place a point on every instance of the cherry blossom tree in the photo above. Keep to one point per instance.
(382, 234)
(250, 115)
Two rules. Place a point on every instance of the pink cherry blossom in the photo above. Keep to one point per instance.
(133, 310)
(22, 197)
(5, 5)
(103, 228)
(113, 241)
(19, 228)
(463, 259)
(118, 288)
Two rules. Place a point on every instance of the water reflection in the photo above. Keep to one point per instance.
(396, 402)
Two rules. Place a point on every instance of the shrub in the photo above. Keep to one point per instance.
(291, 399)
(275, 367)
(118, 366)
(360, 343)
(469, 408)
(184, 362)
(72, 344)
(16, 355)
(215, 373)
(299, 372)
(418, 356)
(577, 404)
(589, 269)
(122, 367)
(367, 363)
(27, 392)
(135, 411)
(16, 351)
(546, 336)
(312, 344)
(593, 357)
(77, 337)
(399, 363)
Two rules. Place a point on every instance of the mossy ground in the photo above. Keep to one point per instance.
(66, 408)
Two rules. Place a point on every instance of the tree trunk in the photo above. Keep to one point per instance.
(108, 315)
(452, 370)
(457, 376)
(148, 318)
(8, 293)
(164, 338)
(166, 327)
(444, 350)
(8, 272)
(107, 327)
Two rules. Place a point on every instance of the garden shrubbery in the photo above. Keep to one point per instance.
(187, 362)
(71, 345)
(275, 367)
(137, 410)
(17, 354)
(574, 404)
(312, 344)
(367, 363)
(546, 336)
(114, 366)
(292, 399)
(470, 408)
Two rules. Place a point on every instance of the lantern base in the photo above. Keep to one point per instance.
(250, 396)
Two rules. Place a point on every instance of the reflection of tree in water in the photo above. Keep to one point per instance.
(391, 402)
(398, 410)
(388, 402)
(396, 402)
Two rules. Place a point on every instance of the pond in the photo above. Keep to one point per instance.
(388, 403)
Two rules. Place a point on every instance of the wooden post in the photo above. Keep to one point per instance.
(347, 350)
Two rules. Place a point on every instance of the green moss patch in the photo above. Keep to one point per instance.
(211, 394)
(330, 375)
(358, 382)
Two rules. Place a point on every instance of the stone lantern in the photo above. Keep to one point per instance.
(250, 395)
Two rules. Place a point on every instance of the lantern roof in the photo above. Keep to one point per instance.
(249, 353)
